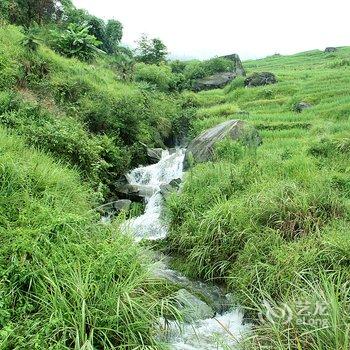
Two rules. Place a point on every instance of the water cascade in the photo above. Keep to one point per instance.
(219, 331)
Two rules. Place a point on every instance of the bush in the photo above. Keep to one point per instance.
(236, 83)
(194, 70)
(199, 69)
(217, 64)
(99, 158)
(159, 76)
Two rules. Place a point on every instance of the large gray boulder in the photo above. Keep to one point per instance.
(201, 149)
(259, 79)
(221, 79)
(238, 66)
(215, 81)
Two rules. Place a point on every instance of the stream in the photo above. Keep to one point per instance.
(209, 325)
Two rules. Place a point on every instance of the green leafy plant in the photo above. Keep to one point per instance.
(30, 41)
(76, 42)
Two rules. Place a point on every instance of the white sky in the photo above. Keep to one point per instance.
(251, 28)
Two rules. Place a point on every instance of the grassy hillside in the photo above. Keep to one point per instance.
(81, 113)
(68, 130)
(273, 223)
(270, 223)
(66, 281)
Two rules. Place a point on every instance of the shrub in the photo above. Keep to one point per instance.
(236, 83)
(194, 70)
(159, 76)
(217, 64)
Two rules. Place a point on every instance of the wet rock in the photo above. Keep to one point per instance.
(115, 206)
(300, 106)
(330, 49)
(191, 307)
(201, 149)
(238, 67)
(172, 186)
(122, 204)
(154, 154)
(109, 210)
(260, 79)
(212, 294)
(131, 192)
(215, 81)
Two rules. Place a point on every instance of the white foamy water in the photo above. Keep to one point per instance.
(149, 179)
(219, 333)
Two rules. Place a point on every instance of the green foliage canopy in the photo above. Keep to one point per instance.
(151, 51)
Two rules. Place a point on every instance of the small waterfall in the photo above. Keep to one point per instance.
(219, 332)
(149, 180)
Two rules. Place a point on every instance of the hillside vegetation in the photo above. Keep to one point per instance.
(269, 224)
(272, 223)
(68, 130)
(81, 113)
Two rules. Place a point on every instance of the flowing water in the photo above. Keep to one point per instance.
(149, 180)
(219, 332)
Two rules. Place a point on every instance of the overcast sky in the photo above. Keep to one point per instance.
(251, 28)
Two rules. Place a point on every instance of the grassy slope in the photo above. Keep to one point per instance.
(81, 113)
(259, 220)
(66, 281)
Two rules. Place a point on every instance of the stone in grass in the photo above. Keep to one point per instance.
(260, 79)
(300, 106)
(330, 49)
(215, 81)
(191, 307)
(201, 149)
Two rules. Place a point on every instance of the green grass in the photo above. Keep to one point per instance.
(258, 220)
(66, 280)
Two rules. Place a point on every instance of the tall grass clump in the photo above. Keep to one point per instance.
(67, 281)
(316, 317)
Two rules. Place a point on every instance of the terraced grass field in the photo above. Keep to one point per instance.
(272, 223)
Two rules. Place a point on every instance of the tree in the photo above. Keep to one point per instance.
(25, 12)
(97, 28)
(151, 51)
(114, 34)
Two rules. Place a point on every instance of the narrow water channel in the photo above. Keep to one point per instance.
(210, 328)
